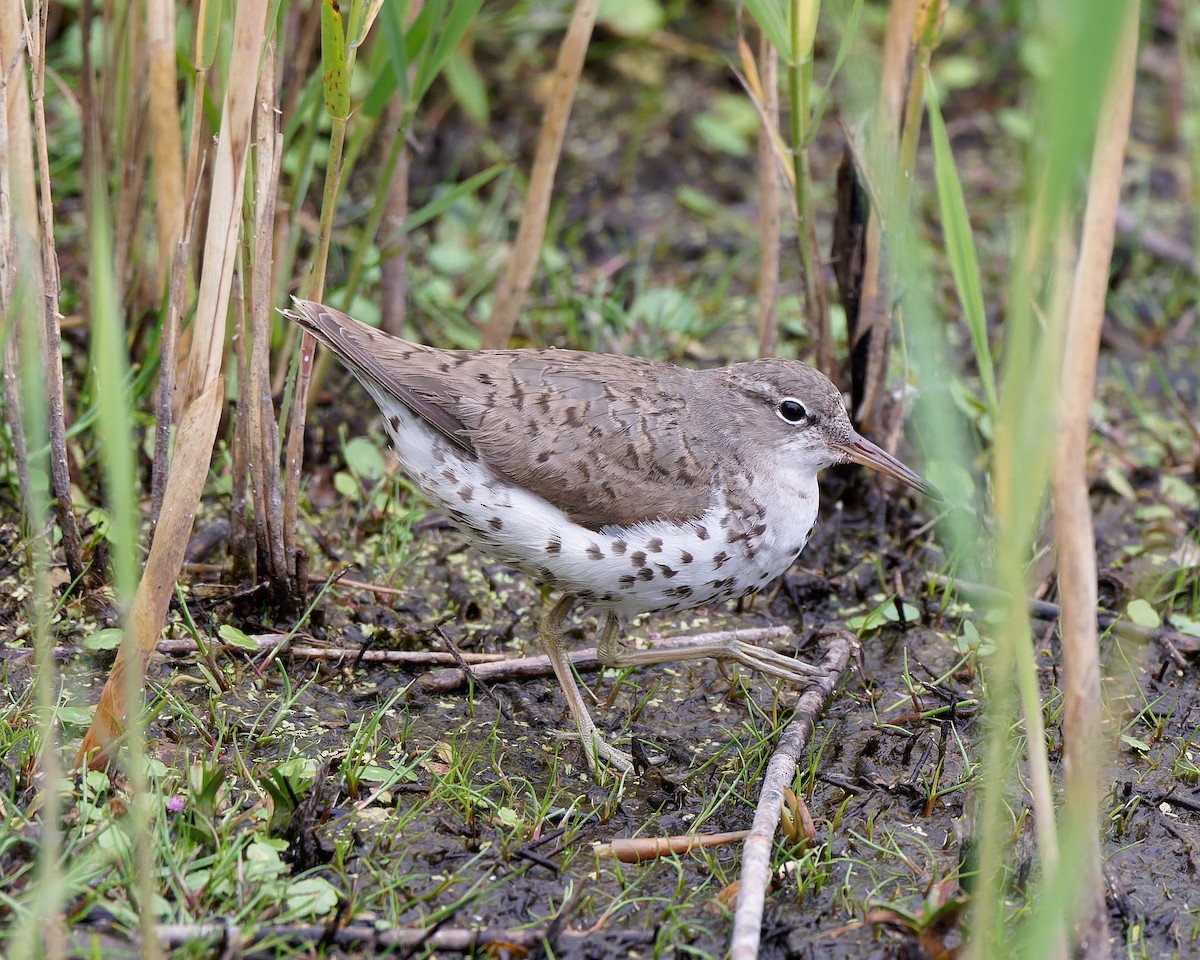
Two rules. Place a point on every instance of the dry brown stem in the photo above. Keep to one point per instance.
(18, 226)
(262, 429)
(523, 262)
(768, 203)
(166, 145)
(189, 468)
(50, 339)
(203, 395)
(1077, 582)
(640, 849)
(393, 279)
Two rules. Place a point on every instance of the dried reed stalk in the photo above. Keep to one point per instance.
(203, 394)
(522, 264)
(768, 203)
(1077, 576)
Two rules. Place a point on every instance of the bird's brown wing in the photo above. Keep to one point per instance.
(379, 358)
(609, 440)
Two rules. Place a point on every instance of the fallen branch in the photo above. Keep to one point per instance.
(756, 854)
(235, 940)
(585, 660)
(267, 641)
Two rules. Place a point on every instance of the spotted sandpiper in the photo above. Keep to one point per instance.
(627, 485)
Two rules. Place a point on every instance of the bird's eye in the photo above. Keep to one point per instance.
(791, 410)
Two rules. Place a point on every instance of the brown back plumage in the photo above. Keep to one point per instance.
(568, 426)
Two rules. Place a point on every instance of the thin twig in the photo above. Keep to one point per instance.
(469, 672)
(756, 854)
(184, 646)
(584, 660)
(235, 939)
(1171, 641)
(640, 849)
(51, 335)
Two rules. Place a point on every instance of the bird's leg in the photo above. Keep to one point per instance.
(612, 653)
(609, 648)
(595, 747)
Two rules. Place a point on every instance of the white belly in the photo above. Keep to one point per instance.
(652, 566)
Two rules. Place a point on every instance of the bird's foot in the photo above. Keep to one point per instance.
(597, 749)
(726, 647)
(766, 661)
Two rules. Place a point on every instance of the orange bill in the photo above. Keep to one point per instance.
(861, 450)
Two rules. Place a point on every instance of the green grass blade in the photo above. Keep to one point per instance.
(960, 245)
(768, 14)
(431, 64)
(447, 198)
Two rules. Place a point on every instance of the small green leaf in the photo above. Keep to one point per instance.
(1016, 123)
(697, 201)
(970, 641)
(666, 309)
(346, 485)
(369, 773)
(632, 18)
(731, 124)
(97, 780)
(508, 816)
(1178, 491)
(714, 131)
(1141, 613)
(769, 16)
(866, 622)
(436, 47)
(892, 615)
(960, 246)
(468, 86)
(957, 73)
(1185, 624)
(1116, 478)
(263, 863)
(299, 771)
(364, 459)
(74, 716)
(106, 639)
(452, 259)
(1140, 745)
(236, 638)
(209, 33)
(446, 198)
(312, 897)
